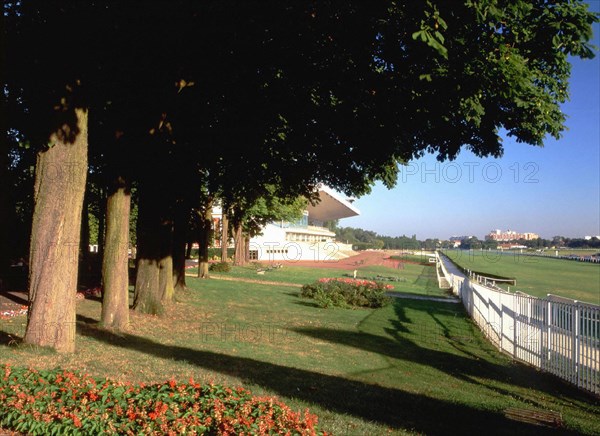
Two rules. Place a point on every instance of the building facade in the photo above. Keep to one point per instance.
(305, 239)
(510, 235)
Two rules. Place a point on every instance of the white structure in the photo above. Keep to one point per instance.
(555, 334)
(305, 239)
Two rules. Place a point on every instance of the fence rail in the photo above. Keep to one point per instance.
(557, 335)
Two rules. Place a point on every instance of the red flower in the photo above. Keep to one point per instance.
(76, 421)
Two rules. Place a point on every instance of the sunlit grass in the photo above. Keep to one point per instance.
(537, 276)
(410, 367)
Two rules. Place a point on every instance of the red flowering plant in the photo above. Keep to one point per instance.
(347, 292)
(64, 402)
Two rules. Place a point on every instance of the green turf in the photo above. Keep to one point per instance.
(536, 276)
(411, 278)
(412, 367)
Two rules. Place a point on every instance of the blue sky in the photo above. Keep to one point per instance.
(554, 190)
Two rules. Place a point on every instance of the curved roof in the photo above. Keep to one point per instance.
(331, 207)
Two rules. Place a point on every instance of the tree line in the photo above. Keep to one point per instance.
(161, 110)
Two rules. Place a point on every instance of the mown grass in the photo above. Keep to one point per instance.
(411, 278)
(412, 367)
(535, 275)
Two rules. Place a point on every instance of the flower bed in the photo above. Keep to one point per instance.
(343, 292)
(63, 402)
(11, 313)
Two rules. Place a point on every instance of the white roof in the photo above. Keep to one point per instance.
(332, 206)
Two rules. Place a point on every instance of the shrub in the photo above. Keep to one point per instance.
(63, 402)
(338, 292)
(220, 267)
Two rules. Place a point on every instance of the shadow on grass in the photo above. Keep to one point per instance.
(14, 297)
(392, 407)
(465, 356)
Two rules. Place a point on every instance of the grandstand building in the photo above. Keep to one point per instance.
(305, 239)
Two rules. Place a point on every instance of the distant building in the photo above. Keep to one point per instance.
(305, 239)
(510, 235)
(589, 238)
(460, 238)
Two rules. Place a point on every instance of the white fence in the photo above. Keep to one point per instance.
(557, 335)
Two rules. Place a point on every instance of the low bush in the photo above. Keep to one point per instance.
(219, 267)
(339, 292)
(63, 402)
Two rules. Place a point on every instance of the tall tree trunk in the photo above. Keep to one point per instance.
(179, 239)
(101, 223)
(239, 257)
(115, 263)
(224, 235)
(85, 267)
(247, 249)
(154, 276)
(188, 248)
(58, 193)
(204, 238)
(5, 207)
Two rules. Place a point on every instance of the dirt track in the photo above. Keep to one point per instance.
(364, 258)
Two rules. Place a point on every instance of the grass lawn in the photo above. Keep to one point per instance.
(415, 366)
(537, 276)
(413, 278)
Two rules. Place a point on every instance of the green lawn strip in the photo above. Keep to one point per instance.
(289, 274)
(411, 367)
(537, 276)
(410, 278)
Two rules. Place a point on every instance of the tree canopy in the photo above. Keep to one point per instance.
(182, 98)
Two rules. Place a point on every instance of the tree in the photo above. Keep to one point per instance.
(115, 263)
(205, 232)
(59, 186)
(249, 220)
(340, 93)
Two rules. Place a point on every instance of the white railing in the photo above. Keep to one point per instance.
(557, 335)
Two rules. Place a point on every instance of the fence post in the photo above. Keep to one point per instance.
(576, 342)
(549, 338)
(517, 313)
(501, 323)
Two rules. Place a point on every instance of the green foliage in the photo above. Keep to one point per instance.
(272, 206)
(346, 293)
(64, 402)
(220, 267)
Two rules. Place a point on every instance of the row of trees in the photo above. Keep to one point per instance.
(173, 106)
(539, 243)
(367, 239)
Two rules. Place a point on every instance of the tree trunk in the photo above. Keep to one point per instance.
(101, 223)
(165, 278)
(204, 238)
(5, 207)
(247, 249)
(179, 239)
(239, 257)
(115, 263)
(85, 266)
(154, 277)
(188, 249)
(224, 235)
(58, 194)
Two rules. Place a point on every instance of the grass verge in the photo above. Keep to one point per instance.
(412, 367)
(535, 275)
